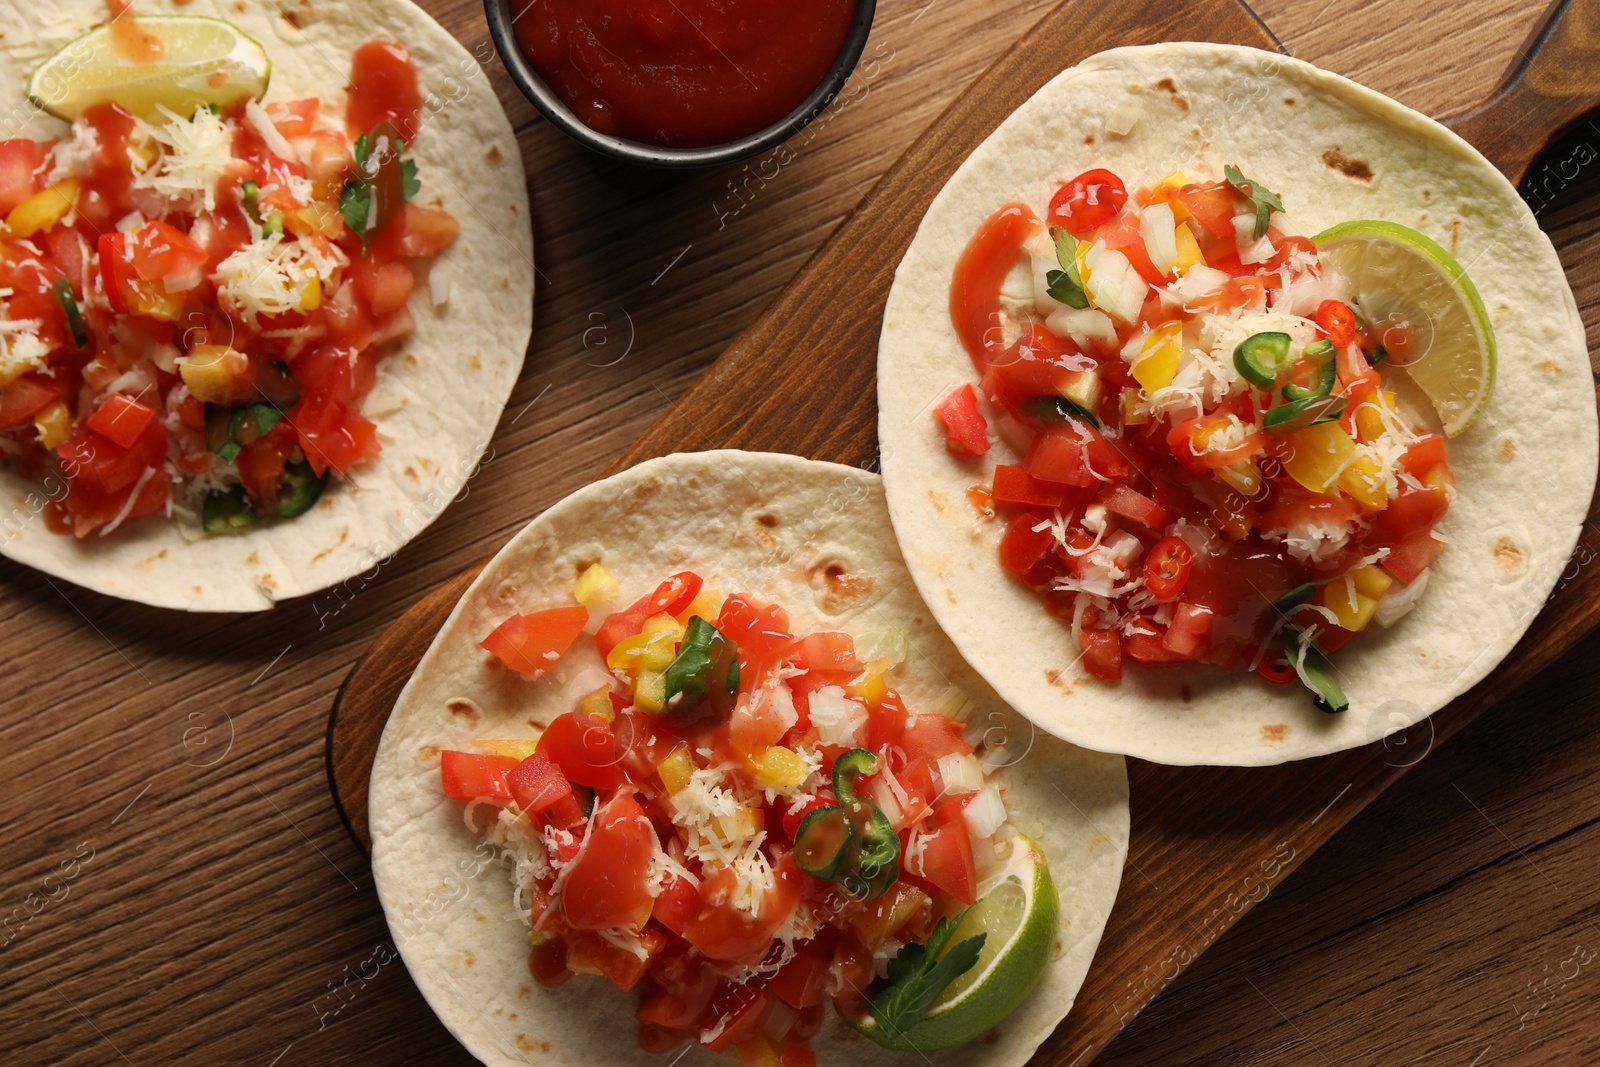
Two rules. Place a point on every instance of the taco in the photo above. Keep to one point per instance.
(265, 285)
(691, 751)
(1200, 441)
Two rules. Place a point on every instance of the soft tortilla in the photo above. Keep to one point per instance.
(1335, 151)
(438, 395)
(813, 537)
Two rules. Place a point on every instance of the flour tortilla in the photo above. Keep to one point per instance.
(1334, 151)
(438, 395)
(813, 537)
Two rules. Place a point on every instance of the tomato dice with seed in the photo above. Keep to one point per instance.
(1024, 544)
(944, 858)
(1135, 506)
(474, 776)
(1015, 487)
(532, 644)
(966, 432)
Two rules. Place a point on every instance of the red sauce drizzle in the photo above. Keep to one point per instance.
(383, 85)
(979, 273)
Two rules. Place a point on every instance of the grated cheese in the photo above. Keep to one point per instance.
(192, 156)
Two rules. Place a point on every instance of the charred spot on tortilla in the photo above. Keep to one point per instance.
(837, 589)
(492, 153)
(1508, 449)
(1288, 101)
(1172, 91)
(1427, 196)
(462, 708)
(1088, 139)
(1509, 559)
(767, 519)
(1358, 169)
(1455, 234)
(1275, 731)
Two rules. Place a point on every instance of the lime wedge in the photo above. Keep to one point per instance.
(201, 61)
(1019, 911)
(1397, 272)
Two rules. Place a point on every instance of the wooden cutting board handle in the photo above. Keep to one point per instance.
(1551, 86)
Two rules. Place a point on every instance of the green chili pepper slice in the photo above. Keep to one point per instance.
(226, 510)
(823, 842)
(1300, 594)
(299, 488)
(875, 866)
(1298, 414)
(249, 194)
(846, 767)
(1060, 409)
(1320, 355)
(1315, 671)
(69, 307)
(704, 654)
(1259, 357)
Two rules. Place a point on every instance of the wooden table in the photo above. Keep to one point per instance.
(204, 904)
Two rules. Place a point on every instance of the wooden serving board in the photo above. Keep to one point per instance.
(1207, 842)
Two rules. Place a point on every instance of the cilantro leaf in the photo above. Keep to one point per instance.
(921, 971)
(1263, 199)
(1065, 285)
(410, 184)
(355, 199)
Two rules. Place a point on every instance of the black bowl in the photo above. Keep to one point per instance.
(649, 155)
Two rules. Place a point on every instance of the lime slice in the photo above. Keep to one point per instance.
(1397, 272)
(202, 61)
(1019, 911)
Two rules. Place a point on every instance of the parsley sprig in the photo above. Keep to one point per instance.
(1065, 284)
(921, 971)
(1263, 199)
(355, 200)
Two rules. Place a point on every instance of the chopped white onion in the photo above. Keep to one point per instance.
(960, 773)
(888, 646)
(1397, 603)
(1159, 228)
(1085, 326)
(953, 703)
(438, 287)
(985, 813)
(838, 719)
(883, 796)
(1112, 284)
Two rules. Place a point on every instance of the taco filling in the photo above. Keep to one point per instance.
(736, 823)
(1215, 464)
(193, 303)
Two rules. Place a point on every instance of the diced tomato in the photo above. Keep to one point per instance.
(121, 418)
(1410, 556)
(1023, 546)
(1187, 633)
(332, 436)
(799, 982)
(945, 859)
(1185, 441)
(1143, 646)
(1088, 201)
(1213, 205)
(669, 598)
(585, 748)
(797, 1056)
(1129, 240)
(1102, 652)
(423, 233)
(25, 397)
(1288, 248)
(1038, 364)
(1136, 507)
(384, 286)
(1015, 487)
(760, 630)
(589, 953)
(737, 1010)
(565, 814)
(472, 775)
(164, 255)
(753, 726)
(536, 783)
(90, 508)
(722, 932)
(826, 650)
(261, 463)
(532, 644)
(294, 118)
(1337, 322)
(677, 906)
(885, 721)
(91, 458)
(1167, 566)
(22, 171)
(1235, 294)
(608, 884)
(1423, 455)
(1073, 455)
(927, 737)
(966, 432)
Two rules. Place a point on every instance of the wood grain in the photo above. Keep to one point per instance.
(225, 915)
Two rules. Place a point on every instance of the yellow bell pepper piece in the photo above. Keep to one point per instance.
(1352, 608)
(311, 294)
(869, 688)
(1372, 580)
(1132, 413)
(1158, 356)
(1189, 254)
(597, 705)
(216, 374)
(742, 825)
(517, 749)
(1439, 479)
(595, 585)
(624, 656)
(1369, 421)
(707, 604)
(317, 218)
(675, 770)
(1317, 455)
(42, 210)
(650, 691)
(1363, 481)
(880, 919)
(757, 1051)
(54, 424)
(778, 768)
(662, 634)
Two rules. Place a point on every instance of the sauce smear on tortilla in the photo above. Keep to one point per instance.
(383, 88)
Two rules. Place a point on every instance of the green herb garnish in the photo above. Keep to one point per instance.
(1263, 199)
(921, 971)
(69, 308)
(1314, 670)
(355, 200)
(1065, 285)
(704, 655)
(1060, 409)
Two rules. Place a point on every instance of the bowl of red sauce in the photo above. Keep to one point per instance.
(680, 83)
